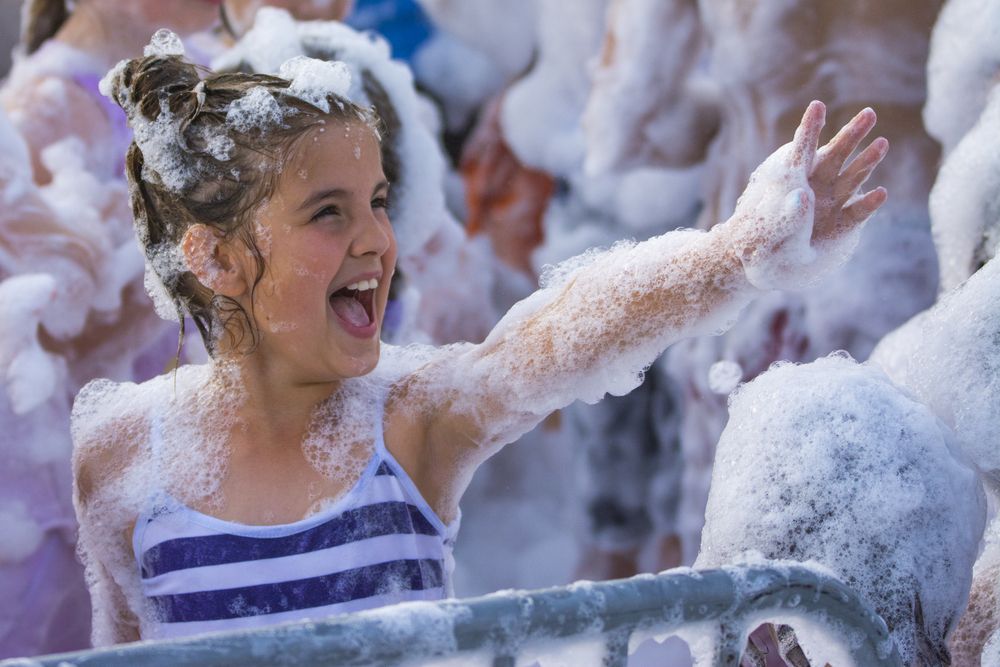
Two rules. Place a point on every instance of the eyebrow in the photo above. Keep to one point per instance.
(334, 193)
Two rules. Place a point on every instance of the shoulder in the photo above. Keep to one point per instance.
(423, 430)
(108, 431)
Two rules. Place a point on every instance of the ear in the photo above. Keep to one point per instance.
(211, 258)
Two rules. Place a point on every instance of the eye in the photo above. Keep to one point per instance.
(325, 212)
(380, 202)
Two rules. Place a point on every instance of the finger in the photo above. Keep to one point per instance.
(835, 153)
(807, 135)
(861, 167)
(862, 208)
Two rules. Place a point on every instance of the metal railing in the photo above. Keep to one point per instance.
(503, 628)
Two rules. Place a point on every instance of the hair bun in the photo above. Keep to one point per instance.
(140, 85)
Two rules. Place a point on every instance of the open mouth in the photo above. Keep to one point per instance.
(355, 308)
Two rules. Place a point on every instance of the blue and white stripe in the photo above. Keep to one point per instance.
(379, 544)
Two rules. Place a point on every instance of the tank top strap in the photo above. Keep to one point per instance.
(379, 427)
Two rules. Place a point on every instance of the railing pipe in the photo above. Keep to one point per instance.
(504, 625)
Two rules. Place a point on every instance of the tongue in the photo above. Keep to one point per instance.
(350, 310)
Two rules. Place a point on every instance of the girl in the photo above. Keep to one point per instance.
(307, 470)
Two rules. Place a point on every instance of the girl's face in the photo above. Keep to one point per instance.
(329, 252)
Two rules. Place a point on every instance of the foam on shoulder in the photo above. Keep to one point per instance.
(136, 446)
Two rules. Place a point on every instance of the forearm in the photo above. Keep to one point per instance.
(607, 321)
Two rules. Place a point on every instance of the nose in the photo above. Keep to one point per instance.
(373, 237)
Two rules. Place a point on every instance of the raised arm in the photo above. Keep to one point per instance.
(594, 328)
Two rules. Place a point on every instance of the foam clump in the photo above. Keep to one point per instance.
(961, 67)
(315, 80)
(270, 42)
(965, 200)
(257, 109)
(830, 462)
(723, 376)
(29, 374)
(219, 146)
(949, 357)
(159, 139)
(22, 534)
(163, 260)
(164, 43)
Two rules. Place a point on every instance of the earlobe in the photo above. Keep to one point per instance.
(209, 257)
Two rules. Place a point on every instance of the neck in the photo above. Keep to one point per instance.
(277, 409)
(108, 31)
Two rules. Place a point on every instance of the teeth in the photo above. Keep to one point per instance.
(363, 285)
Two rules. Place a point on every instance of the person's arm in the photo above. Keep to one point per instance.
(599, 327)
(648, 107)
(103, 453)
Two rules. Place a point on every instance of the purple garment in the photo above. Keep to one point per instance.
(45, 606)
(120, 131)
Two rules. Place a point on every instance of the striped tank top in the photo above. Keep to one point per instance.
(377, 545)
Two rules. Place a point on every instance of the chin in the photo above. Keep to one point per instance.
(362, 364)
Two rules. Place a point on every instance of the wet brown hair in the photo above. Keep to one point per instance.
(41, 20)
(224, 188)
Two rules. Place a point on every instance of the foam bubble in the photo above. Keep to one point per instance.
(723, 376)
(164, 43)
(220, 147)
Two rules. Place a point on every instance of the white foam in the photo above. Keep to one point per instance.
(830, 462)
(164, 260)
(164, 43)
(257, 109)
(220, 146)
(961, 68)
(949, 357)
(140, 443)
(22, 534)
(315, 80)
(723, 376)
(965, 199)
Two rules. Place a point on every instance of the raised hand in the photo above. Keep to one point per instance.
(839, 206)
(800, 213)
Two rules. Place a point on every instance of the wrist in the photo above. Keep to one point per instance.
(734, 251)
